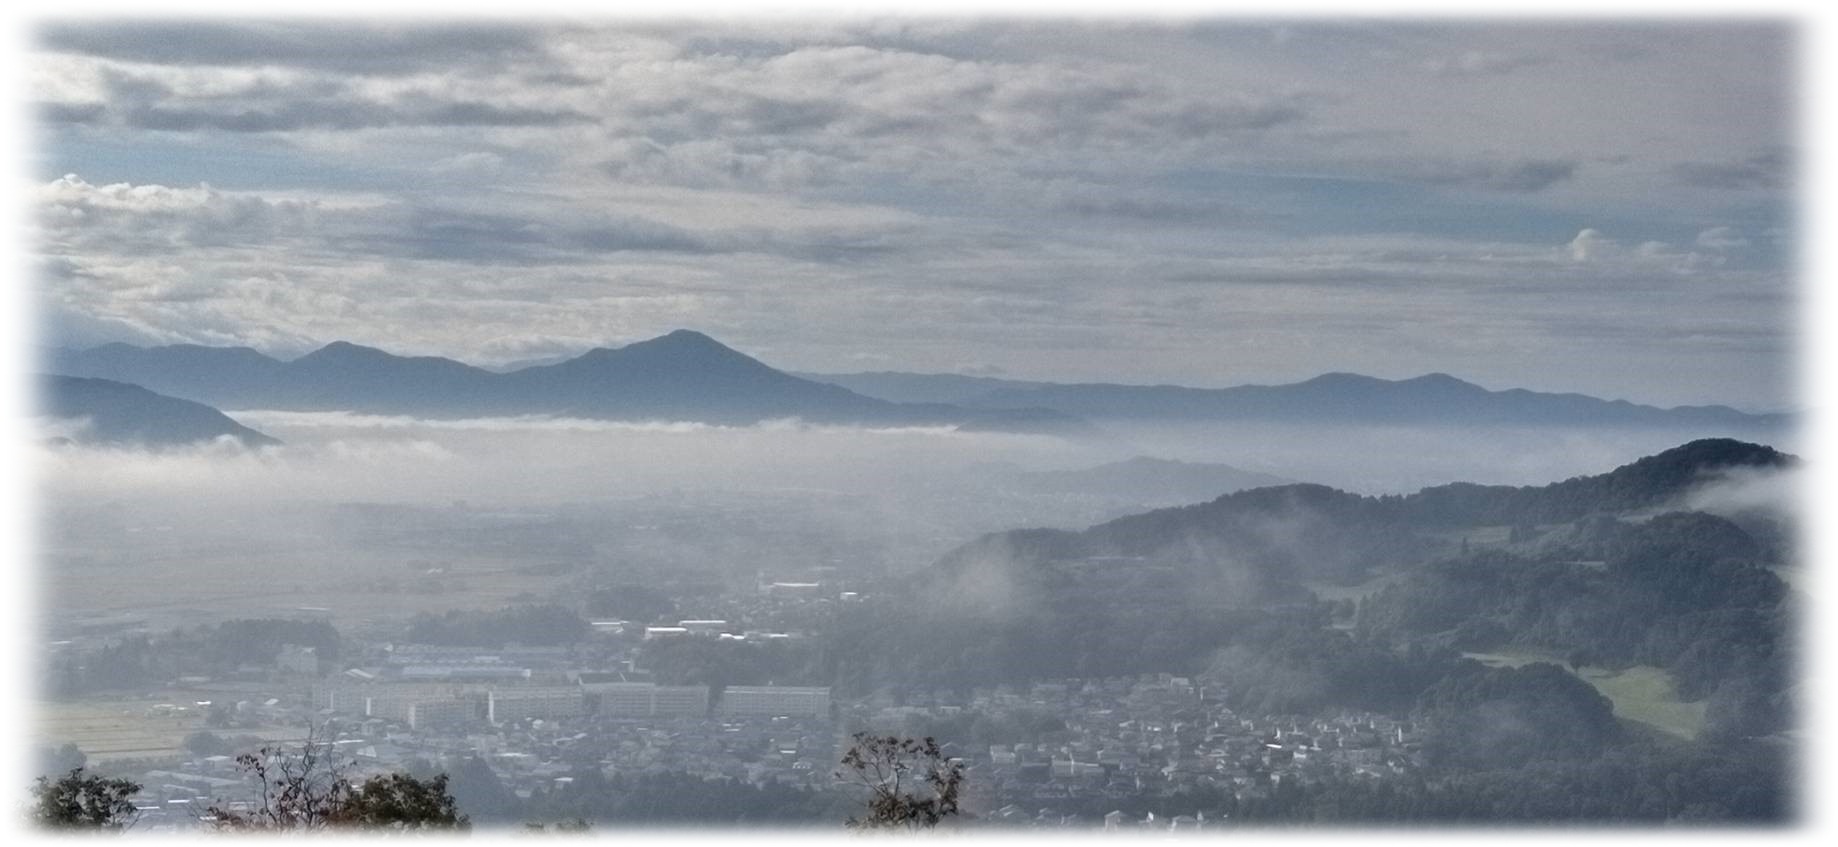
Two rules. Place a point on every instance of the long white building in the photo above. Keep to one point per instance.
(775, 700)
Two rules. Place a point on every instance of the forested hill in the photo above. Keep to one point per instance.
(1652, 482)
(1263, 540)
(1610, 573)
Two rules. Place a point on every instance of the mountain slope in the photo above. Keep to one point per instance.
(1256, 546)
(1232, 583)
(119, 413)
(352, 377)
(899, 387)
(219, 376)
(686, 375)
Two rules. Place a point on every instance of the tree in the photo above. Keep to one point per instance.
(80, 800)
(401, 802)
(308, 790)
(890, 768)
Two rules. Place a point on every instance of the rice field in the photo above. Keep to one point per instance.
(114, 730)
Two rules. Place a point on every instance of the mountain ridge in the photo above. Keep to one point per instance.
(123, 413)
(1386, 400)
(690, 374)
(683, 375)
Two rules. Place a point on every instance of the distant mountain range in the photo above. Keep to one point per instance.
(684, 375)
(1334, 397)
(119, 413)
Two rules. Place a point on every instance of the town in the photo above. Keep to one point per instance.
(1070, 753)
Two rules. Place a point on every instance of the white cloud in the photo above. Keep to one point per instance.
(1588, 245)
(1721, 238)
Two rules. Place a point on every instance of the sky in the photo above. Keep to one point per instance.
(1598, 206)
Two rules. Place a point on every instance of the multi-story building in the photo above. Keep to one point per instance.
(682, 700)
(425, 714)
(503, 705)
(776, 700)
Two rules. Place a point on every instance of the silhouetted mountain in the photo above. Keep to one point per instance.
(1149, 480)
(119, 413)
(684, 375)
(227, 377)
(1330, 398)
(352, 377)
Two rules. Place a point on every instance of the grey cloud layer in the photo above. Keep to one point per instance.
(932, 192)
(376, 48)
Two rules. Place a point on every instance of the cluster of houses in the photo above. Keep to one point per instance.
(1156, 735)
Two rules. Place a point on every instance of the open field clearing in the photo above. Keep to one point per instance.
(114, 730)
(1641, 693)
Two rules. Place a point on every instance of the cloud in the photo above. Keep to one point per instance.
(1721, 238)
(1471, 63)
(319, 114)
(352, 48)
(1743, 491)
(1514, 177)
(1764, 171)
(1589, 244)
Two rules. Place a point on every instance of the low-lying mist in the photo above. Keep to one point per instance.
(523, 461)
(347, 496)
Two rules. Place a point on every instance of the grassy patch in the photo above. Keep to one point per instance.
(1642, 693)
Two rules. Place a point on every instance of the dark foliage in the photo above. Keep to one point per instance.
(82, 800)
(911, 784)
(1485, 718)
(400, 802)
(307, 790)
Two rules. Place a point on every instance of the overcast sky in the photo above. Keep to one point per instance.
(1594, 207)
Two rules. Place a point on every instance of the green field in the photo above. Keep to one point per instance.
(1641, 693)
